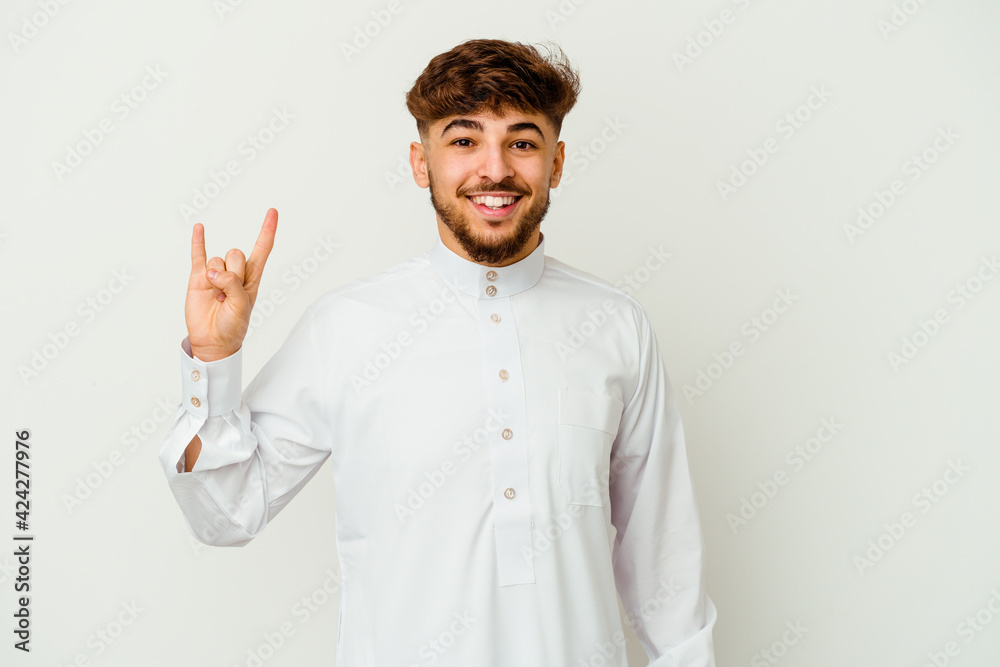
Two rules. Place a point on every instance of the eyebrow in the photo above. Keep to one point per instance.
(476, 125)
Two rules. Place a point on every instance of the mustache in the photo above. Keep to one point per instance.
(497, 188)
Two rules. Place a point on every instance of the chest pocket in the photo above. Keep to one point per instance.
(588, 424)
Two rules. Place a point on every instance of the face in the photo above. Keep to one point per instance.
(465, 160)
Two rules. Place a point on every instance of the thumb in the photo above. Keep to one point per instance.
(228, 282)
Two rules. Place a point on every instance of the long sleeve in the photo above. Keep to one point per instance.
(258, 450)
(658, 549)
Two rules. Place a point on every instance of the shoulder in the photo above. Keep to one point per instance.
(597, 290)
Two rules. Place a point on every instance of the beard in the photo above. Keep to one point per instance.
(493, 251)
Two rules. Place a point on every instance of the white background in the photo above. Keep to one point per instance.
(107, 541)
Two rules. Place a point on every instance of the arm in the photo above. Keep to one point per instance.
(191, 453)
(658, 550)
(255, 451)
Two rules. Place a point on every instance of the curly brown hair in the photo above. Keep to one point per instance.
(496, 76)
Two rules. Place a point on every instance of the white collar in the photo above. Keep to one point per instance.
(474, 279)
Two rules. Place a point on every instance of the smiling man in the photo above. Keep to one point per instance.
(498, 222)
(507, 451)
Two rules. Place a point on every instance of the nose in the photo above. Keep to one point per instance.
(495, 164)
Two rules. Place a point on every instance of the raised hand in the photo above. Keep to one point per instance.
(221, 292)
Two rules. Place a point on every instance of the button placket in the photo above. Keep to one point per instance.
(508, 449)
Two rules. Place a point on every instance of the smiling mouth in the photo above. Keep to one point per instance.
(494, 205)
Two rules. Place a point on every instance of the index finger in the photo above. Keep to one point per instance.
(198, 259)
(262, 248)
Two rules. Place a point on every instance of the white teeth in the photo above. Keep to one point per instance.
(493, 202)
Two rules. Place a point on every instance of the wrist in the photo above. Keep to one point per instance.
(211, 354)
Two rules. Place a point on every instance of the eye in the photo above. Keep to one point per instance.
(522, 145)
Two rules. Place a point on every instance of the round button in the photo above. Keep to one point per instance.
(509, 493)
(507, 434)
(195, 402)
(495, 317)
(504, 374)
(195, 375)
(491, 275)
(491, 290)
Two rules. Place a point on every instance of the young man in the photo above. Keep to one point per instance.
(507, 449)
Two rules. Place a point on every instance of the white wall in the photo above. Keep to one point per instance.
(856, 294)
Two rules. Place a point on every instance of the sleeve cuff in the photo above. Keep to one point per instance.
(210, 388)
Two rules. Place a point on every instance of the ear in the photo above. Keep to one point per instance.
(418, 164)
(557, 164)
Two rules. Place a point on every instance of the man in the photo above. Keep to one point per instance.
(507, 449)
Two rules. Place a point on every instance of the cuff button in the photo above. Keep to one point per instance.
(195, 402)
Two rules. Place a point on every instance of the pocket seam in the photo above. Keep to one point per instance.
(598, 413)
(584, 408)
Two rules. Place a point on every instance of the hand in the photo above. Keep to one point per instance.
(217, 309)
